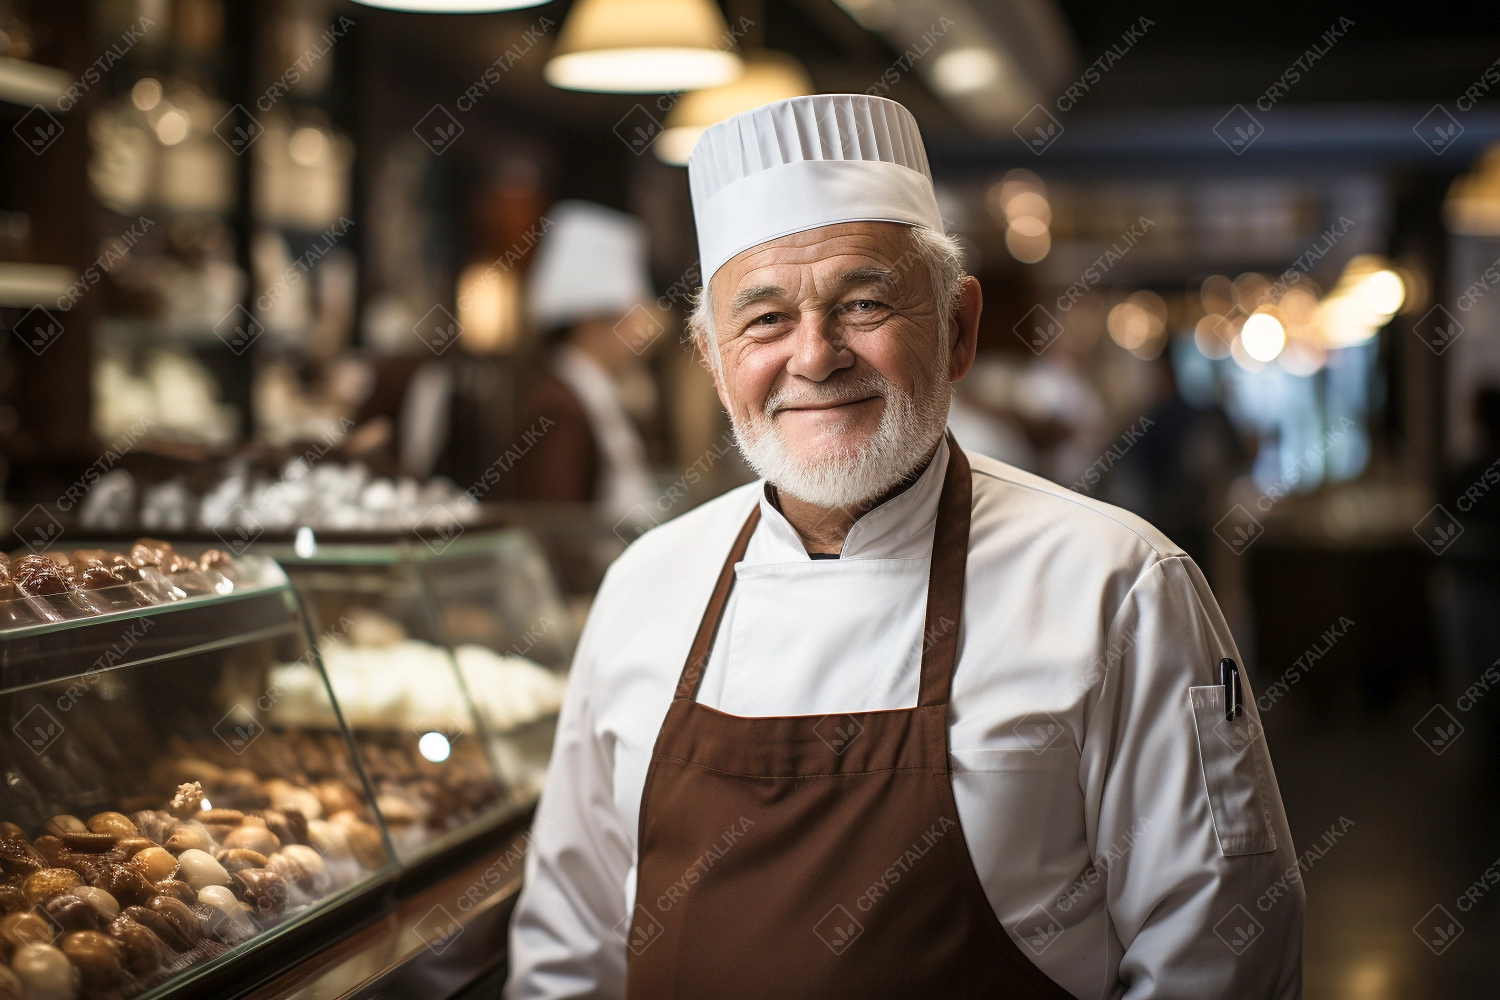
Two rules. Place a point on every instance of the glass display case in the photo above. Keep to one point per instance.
(445, 659)
(161, 816)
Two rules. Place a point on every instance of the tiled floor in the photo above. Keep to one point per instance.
(1426, 828)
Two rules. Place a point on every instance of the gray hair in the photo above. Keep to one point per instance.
(943, 256)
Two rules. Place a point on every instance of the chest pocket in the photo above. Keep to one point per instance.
(1236, 774)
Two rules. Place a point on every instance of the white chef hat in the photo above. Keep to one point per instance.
(591, 263)
(806, 162)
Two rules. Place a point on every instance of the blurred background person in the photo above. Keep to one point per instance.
(589, 292)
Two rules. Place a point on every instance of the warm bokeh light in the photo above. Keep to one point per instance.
(1028, 204)
(146, 94)
(1367, 295)
(963, 71)
(1302, 357)
(172, 127)
(1210, 337)
(308, 146)
(1263, 336)
(1217, 294)
(1139, 324)
(1382, 291)
(1028, 240)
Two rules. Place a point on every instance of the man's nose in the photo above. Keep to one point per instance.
(818, 348)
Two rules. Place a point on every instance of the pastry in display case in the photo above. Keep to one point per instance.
(512, 635)
(159, 822)
(395, 681)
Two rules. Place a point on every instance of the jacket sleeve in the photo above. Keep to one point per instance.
(1204, 885)
(563, 941)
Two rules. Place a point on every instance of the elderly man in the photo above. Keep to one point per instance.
(896, 721)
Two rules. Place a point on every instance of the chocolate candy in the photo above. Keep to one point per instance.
(124, 883)
(99, 958)
(157, 924)
(20, 929)
(71, 912)
(45, 973)
(116, 825)
(155, 863)
(179, 915)
(144, 951)
(199, 869)
(177, 889)
(264, 890)
(49, 882)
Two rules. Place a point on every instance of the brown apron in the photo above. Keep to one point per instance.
(797, 856)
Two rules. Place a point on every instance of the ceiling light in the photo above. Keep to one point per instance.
(768, 76)
(450, 6)
(963, 71)
(643, 47)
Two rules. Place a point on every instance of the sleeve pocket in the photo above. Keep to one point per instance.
(1235, 764)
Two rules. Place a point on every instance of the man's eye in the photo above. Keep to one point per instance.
(768, 319)
(864, 305)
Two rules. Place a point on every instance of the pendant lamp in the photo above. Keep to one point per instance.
(643, 47)
(768, 76)
(450, 6)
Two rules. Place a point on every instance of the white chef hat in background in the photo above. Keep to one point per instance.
(591, 263)
(806, 162)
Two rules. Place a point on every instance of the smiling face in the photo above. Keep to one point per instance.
(836, 359)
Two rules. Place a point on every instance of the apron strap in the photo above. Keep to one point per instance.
(692, 670)
(945, 581)
(945, 589)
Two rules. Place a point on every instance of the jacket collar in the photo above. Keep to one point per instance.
(899, 528)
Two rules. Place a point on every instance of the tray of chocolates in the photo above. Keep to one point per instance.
(58, 586)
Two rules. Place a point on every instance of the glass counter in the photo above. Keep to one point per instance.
(431, 649)
(161, 817)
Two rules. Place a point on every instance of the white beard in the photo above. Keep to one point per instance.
(909, 430)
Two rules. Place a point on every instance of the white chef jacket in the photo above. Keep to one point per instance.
(1125, 844)
(625, 476)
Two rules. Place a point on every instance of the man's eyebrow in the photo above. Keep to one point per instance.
(866, 276)
(754, 294)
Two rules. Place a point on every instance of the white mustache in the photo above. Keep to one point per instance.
(847, 390)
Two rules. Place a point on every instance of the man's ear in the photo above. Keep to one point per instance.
(966, 329)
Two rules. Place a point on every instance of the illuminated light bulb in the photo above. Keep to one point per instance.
(768, 77)
(434, 747)
(308, 146)
(146, 94)
(172, 127)
(963, 71)
(1263, 337)
(643, 47)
